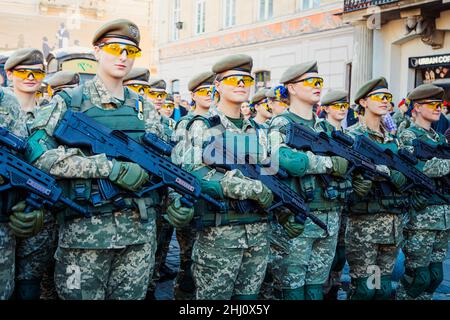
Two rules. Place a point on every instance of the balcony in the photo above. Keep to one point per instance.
(355, 5)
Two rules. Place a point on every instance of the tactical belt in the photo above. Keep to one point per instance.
(103, 210)
(231, 218)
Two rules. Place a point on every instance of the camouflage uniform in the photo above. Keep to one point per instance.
(374, 230)
(164, 230)
(34, 254)
(228, 260)
(305, 261)
(109, 255)
(184, 288)
(427, 231)
(9, 116)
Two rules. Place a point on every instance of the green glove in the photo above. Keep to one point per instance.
(418, 200)
(128, 175)
(340, 166)
(361, 186)
(177, 215)
(25, 225)
(293, 229)
(398, 179)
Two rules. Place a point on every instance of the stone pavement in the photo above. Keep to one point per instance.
(164, 290)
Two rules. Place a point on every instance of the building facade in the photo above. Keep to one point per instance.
(277, 34)
(54, 24)
(408, 42)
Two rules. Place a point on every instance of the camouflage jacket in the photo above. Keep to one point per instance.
(381, 228)
(238, 236)
(179, 136)
(168, 125)
(317, 165)
(104, 231)
(10, 113)
(434, 217)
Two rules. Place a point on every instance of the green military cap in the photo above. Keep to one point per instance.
(259, 96)
(169, 99)
(426, 92)
(333, 96)
(241, 62)
(202, 79)
(157, 83)
(142, 74)
(64, 78)
(24, 57)
(121, 28)
(296, 71)
(368, 87)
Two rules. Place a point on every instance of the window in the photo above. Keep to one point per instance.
(262, 79)
(230, 13)
(265, 9)
(175, 20)
(309, 4)
(175, 86)
(200, 16)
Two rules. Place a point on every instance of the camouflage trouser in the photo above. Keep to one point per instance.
(7, 261)
(164, 232)
(339, 258)
(34, 254)
(422, 247)
(221, 273)
(184, 288)
(364, 257)
(108, 274)
(307, 259)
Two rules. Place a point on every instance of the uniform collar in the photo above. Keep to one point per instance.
(100, 95)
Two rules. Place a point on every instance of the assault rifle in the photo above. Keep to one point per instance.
(42, 189)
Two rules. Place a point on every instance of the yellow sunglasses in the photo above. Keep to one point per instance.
(312, 82)
(280, 103)
(339, 106)
(38, 74)
(139, 87)
(157, 95)
(168, 106)
(433, 105)
(204, 92)
(234, 80)
(266, 106)
(116, 49)
(379, 97)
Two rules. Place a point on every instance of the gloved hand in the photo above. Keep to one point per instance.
(236, 186)
(293, 229)
(128, 175)
(25, 225)
(340, 166)
(361, 186)
(398, 179)
(419, 200)
(177, 215)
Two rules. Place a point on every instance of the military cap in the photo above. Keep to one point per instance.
(64, 78)
(202, 79)
(296, 71)
(368, 87)
(142, 74)
(121, 28)
(333, 96)
(24, 57)
(241, 62)
(426, 91)
(169, 99)
(157, 83)
(259, 96)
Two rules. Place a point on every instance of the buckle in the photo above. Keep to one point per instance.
(96, 199)
(80, 192)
